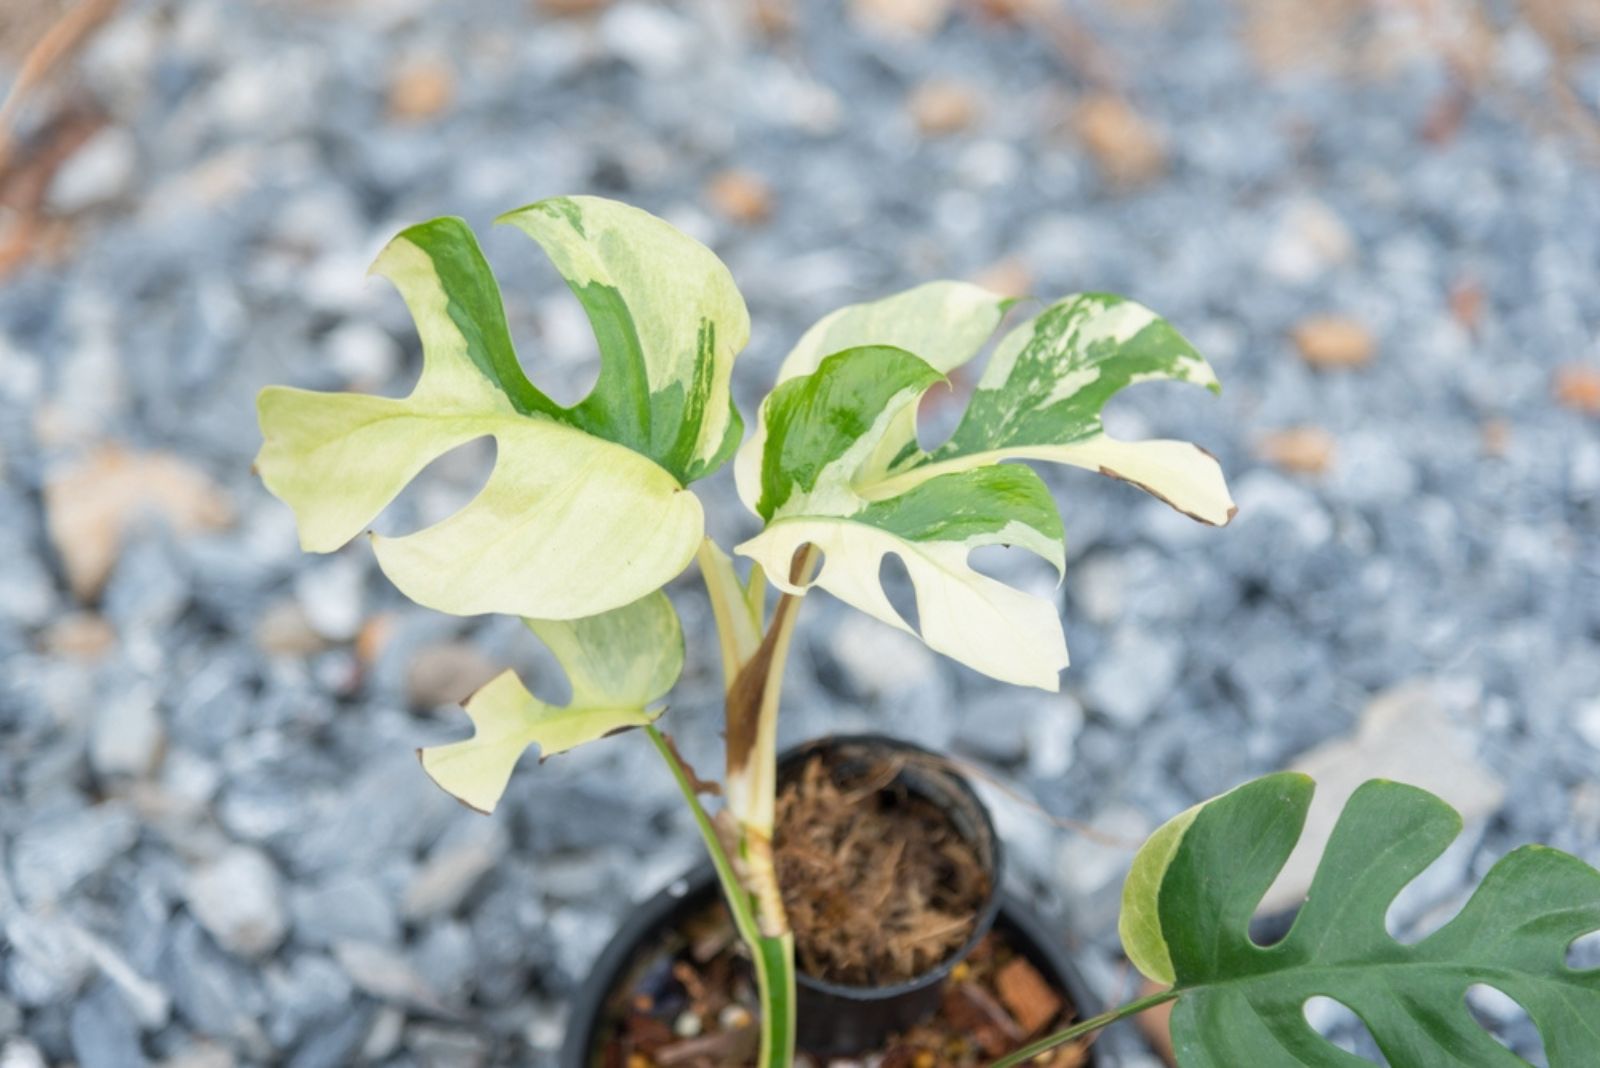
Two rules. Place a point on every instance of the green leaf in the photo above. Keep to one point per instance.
(619, 664)
(835, 459)
(556, 531)
(1199, 879)
(669, 321)
(822, 428)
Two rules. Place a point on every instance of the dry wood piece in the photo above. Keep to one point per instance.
(740, 197)
(1304, 450)
(1025, 994)
(421, 89)
(1124, 145)
(941, 107)
(1335, 341)
(91, 506)
(1577, 386)
(879, 885)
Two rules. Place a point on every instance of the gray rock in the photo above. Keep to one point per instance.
(47, 961)
(383, 973)
(445, 955)
(214, 993)
(1135, 675)
(20, 1053)
(309, 995)
(104, 1031)
(55, 852)
(438, 1047)
(336, 1043)
(455, 866)
(347, 907)
(238, 898)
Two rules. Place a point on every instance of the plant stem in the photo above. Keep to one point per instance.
(773, 957)
(1078, 1030)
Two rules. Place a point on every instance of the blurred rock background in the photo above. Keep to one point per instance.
(1380, 220)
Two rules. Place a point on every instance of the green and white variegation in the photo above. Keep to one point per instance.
(556, 532)
(620, 663)
(835, 461)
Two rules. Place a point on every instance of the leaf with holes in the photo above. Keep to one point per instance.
(619, 663)
(556, 531)
(835, 460)
(1186, 915)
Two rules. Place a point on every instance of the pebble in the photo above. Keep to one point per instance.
(446, 674)
(213, 237)
(54, 853)
(384, 974)
(104, 1033)
(453, 869)
(238, 899)
(1133, 677)
(347, 907)
(127, 736)
(102, 170)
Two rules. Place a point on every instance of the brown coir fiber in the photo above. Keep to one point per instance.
(878, 883)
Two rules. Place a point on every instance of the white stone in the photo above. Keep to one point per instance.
(880, 660)
(363, 353)
(1406, 734)
(452, 871)
(1587, 721)
(650, 38)
(238, 899)
(1130, 681)
(330, 594)
(127, 736)
(99, 172)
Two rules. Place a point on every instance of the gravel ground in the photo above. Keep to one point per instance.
(218, 847)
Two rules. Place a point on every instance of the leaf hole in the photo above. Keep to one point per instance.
(1340, 1026)
(1584, 953)
(940, 410)
(440, 490)
(1507, 1022)
(897, 587)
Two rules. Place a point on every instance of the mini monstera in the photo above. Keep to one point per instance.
(1186, 910)
(587, 512)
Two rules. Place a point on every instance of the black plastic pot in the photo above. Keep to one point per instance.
(1035, 938)
(839, 1020)
(835, 1019)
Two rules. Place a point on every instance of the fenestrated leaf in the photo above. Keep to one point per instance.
(619, 664)
(557, 530)
(669, 321)
(1241, 1004)
(837, 439)
(822, 428)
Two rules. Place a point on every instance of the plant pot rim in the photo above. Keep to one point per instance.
(983, 919)
(1038, 939)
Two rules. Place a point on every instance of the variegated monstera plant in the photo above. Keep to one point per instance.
(588, 514)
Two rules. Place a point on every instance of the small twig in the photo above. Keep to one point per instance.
(59, 42)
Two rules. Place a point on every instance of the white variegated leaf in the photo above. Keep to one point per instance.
(555, 533)
(619, 664)
(836, 455)
(943, 323)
